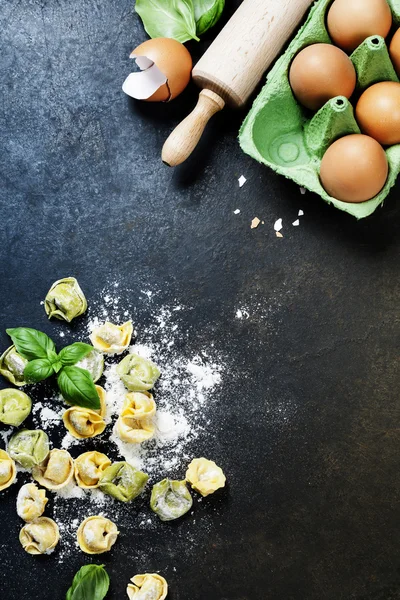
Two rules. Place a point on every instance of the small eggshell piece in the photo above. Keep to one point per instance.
(350, 22)
(354, 168)
(378, 112)
(319, 73)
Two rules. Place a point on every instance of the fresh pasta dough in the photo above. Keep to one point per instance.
(205, 476)
(134, 431)
(122, 481)
(83, 422)
(56, 471)
(12, 366)
(31, 502)
(137, 373)
(94, 363)
(170, 499)
(149, 586)
(97, 535)
(8, 471)
(40, 537)
(15, 406)
(29, 447)
(89, 468)
(112, 339)
(139, 405)
(65, 300)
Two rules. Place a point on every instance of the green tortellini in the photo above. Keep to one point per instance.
(170, 499)
(12, 366)
(15, 406)
(65, 300)
(122, 481)
(94, 363)
(29, 447)
(138, 374)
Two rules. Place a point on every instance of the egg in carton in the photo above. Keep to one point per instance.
(292, 140)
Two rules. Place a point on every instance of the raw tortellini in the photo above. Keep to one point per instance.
(205, 476)
(31, 502)
(56, 471)
(84, 422)
(94, 363)
(12, 366)
(112, 339)
(65, 300)
(134, 425)
(40, 537)
(8, 472)
(29, 447)
(149, 586)
(89, 468)
(122, 481)
(138, 374)
(170, 499)
(97, 535)
(15, 406)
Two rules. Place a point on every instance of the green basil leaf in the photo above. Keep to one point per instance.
(70, 355)
(52, 356)
(77, 387)
(207, 13)
(168, 18)
(38, 370)
(57, 366)
(91, 582)
(31, 343)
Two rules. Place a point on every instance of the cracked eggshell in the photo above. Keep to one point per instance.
(166, 67)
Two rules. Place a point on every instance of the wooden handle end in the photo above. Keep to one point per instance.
(185, 137)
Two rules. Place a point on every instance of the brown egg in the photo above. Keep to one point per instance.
(321, 72)
(395, 51)
(174, 60)
(354, 168)
(350, 22)
(378, 112)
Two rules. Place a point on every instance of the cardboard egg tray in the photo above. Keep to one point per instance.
(282, 134)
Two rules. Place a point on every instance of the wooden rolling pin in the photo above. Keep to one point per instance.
(233, 66)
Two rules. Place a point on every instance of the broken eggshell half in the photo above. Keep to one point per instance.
(165, 69)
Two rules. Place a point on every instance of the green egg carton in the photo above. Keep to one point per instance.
(280, 133)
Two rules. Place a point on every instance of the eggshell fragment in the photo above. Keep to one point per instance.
(166, 67)
(354, 168)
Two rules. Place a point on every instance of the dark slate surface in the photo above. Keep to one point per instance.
(312, 509)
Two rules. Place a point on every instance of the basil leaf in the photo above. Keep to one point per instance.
(207, 13)
(38, 370)
(168, 18)
(70, 355)
(57, 366)
(77, 387)
(31, 343)
(91, 582)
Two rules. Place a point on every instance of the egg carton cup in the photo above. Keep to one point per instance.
(282, 134)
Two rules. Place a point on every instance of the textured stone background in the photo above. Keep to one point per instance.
(312, 511)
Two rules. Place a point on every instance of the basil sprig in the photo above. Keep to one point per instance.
(75, 384)
(91, 582)
(181, 20)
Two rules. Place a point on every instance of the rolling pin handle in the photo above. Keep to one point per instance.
(185, 137)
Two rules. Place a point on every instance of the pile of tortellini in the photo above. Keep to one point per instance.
(54, 469)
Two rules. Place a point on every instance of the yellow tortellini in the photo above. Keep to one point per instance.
(56, 471)
(205, 476)
(15, 406)
(65, 300)
(40, 537)
(134, 431)
(97, 535)
(31, 502)
(94, 363)
(149, 586)
(89, 468)
(139, 405)
(12, 366)
(86, 423)
(112, 339)
(8, 471)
